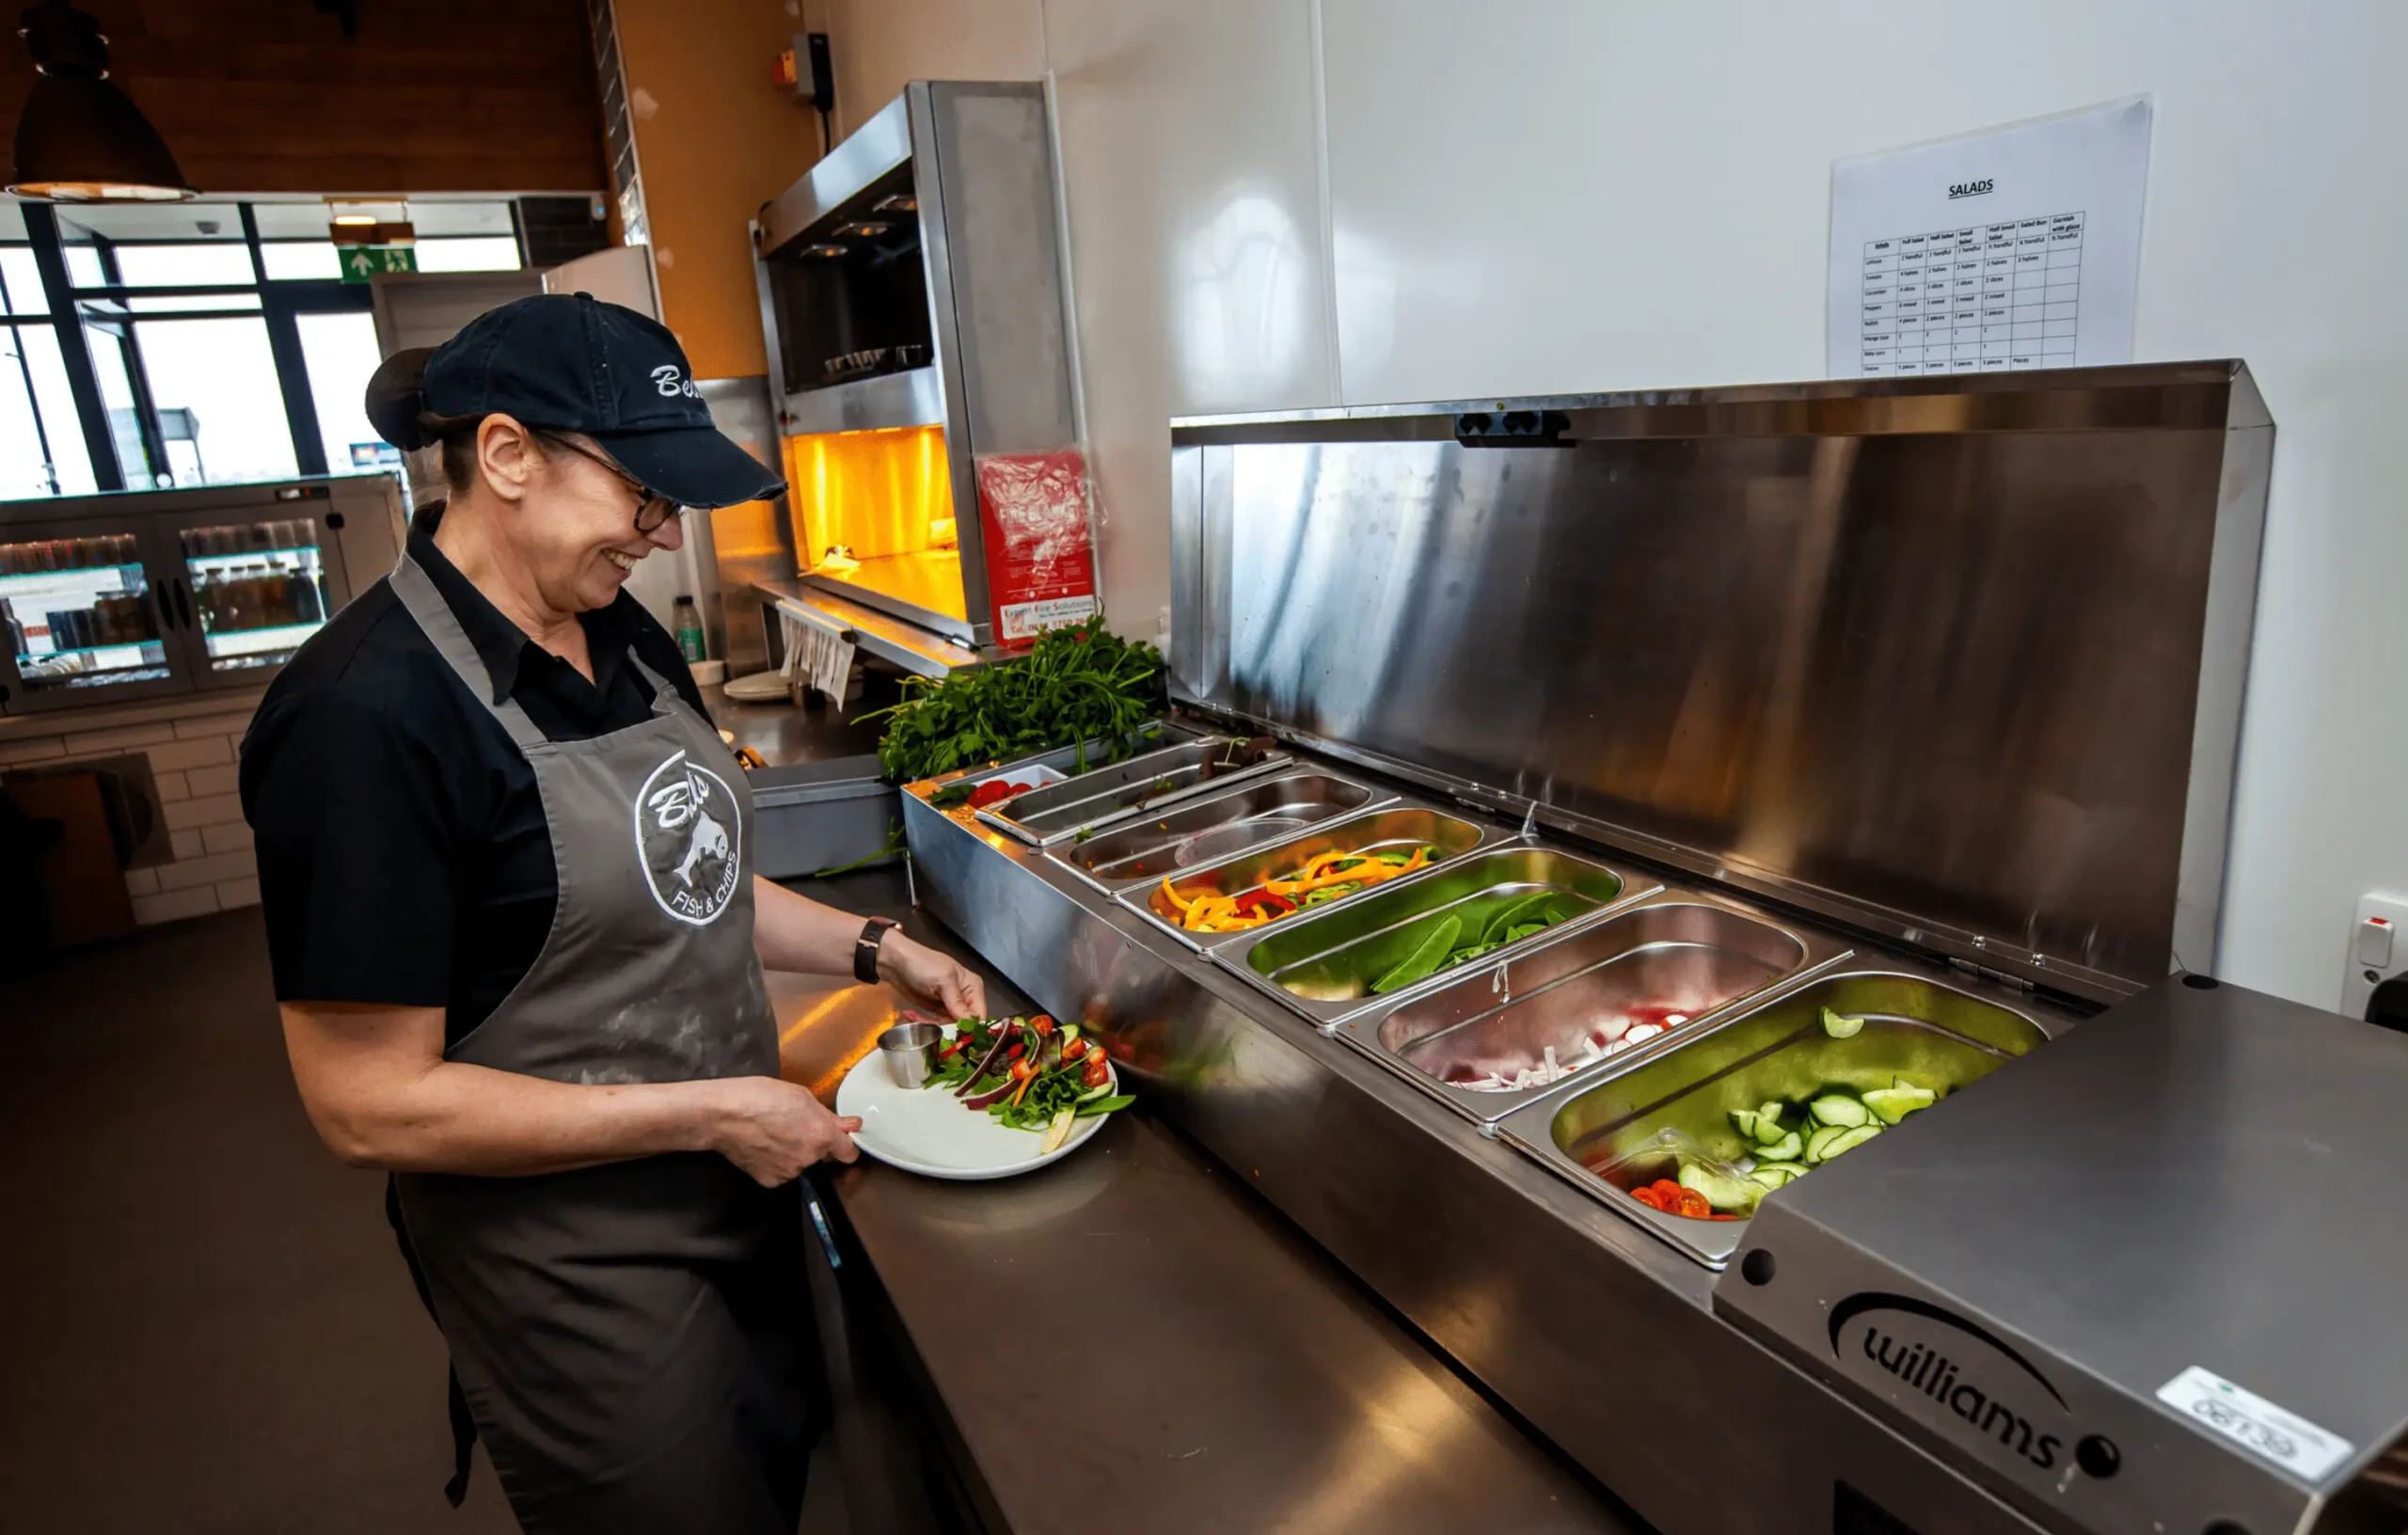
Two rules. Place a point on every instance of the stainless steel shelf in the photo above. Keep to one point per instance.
(914, 397)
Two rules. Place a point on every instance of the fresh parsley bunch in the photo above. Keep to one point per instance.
(1076, 684)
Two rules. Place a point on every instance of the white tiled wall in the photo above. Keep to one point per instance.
(193, 760)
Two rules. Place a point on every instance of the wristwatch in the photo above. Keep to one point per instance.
(866, 947)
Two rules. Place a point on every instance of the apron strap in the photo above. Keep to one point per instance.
(666, 699)
(418, 594)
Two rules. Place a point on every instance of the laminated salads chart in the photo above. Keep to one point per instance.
(2014, 248)
(1984, 297)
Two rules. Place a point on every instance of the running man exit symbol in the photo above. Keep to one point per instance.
(361, 262)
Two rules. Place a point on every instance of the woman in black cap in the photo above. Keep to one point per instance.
(507, 872)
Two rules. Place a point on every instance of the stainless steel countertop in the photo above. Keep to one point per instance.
(1193, 1362)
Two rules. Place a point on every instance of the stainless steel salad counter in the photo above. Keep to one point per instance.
(1714, 859)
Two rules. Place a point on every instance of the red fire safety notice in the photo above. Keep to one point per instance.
(1040, 565)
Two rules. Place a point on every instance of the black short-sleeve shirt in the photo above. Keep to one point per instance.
(404, 855)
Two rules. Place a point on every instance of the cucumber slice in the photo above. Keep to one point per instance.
(1768, 1121)
(1849, 1140)
(1820, 1142)
(1059, 1131)
(1788, 1149)
(1839, 1109)
(1892, 1104)
(1732, 1196)
(1744, 1121)
(1840, 1028)
(1775, 1174)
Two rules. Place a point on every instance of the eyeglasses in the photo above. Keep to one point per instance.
(651, 510)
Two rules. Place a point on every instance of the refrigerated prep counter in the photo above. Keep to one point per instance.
(1809, 791)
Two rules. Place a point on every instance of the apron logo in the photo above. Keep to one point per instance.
(686, 839)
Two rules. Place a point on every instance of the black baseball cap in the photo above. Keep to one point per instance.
(569, 362)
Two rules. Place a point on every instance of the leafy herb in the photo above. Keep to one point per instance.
(1076, 684)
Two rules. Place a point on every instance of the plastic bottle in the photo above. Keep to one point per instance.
(687, 620)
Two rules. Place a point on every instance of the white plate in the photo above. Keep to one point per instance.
(928, 1130)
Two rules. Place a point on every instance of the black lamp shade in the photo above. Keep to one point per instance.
(80, 138)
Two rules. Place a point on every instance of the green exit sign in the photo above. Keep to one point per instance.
(361, 262)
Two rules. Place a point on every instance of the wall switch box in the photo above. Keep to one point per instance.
(2378, 949)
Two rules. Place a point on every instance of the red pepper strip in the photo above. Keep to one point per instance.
(1016, 1052)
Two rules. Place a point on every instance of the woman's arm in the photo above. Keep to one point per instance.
(794, 932)
(381, 1095)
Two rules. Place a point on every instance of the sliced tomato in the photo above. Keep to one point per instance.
(1042, 1024)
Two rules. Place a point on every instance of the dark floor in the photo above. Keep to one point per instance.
(204, 1327)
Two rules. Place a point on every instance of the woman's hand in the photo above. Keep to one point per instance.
(932, 979)
(773, 1129)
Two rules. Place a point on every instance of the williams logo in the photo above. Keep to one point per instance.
(1937, 1364)
(1973, 189)
(687, 833)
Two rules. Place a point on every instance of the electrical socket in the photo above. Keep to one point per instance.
(2377, 911)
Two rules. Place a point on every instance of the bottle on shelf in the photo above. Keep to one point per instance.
(687, 620)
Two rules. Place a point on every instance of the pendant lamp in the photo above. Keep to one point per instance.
(80, 138)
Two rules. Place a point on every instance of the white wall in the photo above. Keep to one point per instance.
(1560, 194)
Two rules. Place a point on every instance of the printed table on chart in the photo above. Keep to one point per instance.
(1980, 299)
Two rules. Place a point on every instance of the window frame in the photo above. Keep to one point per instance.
(279, 302)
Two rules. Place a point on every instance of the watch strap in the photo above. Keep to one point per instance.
(865, 948)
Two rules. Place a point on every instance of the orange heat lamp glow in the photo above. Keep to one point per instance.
(876, 493)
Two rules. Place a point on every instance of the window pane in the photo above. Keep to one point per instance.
(439, 220)
(213, 385)
(341, 353)
(160, 267)
(175, 221)
(168, 304)
(43, 420)
(22, 281)
(300, 260)
(291, 220)
(84, 267)
(24, 462)
(487, 254)
(117, 398)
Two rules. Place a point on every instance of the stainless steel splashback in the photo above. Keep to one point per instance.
(1958, 660)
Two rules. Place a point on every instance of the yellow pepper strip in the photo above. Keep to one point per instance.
(1172, 897)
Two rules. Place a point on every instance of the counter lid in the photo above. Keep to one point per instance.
(1958, 659)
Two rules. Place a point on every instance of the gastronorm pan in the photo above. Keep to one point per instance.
(1624, 988)
(1323, 965)
(1607, 1138)
(1214, 827)
(1106, 796)
(1067, 760)
(1400, 829)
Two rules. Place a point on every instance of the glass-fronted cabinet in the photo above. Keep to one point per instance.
(257, 589)
(80, 616)
(121, 597)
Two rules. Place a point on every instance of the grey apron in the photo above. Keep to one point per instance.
(631, 1341)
